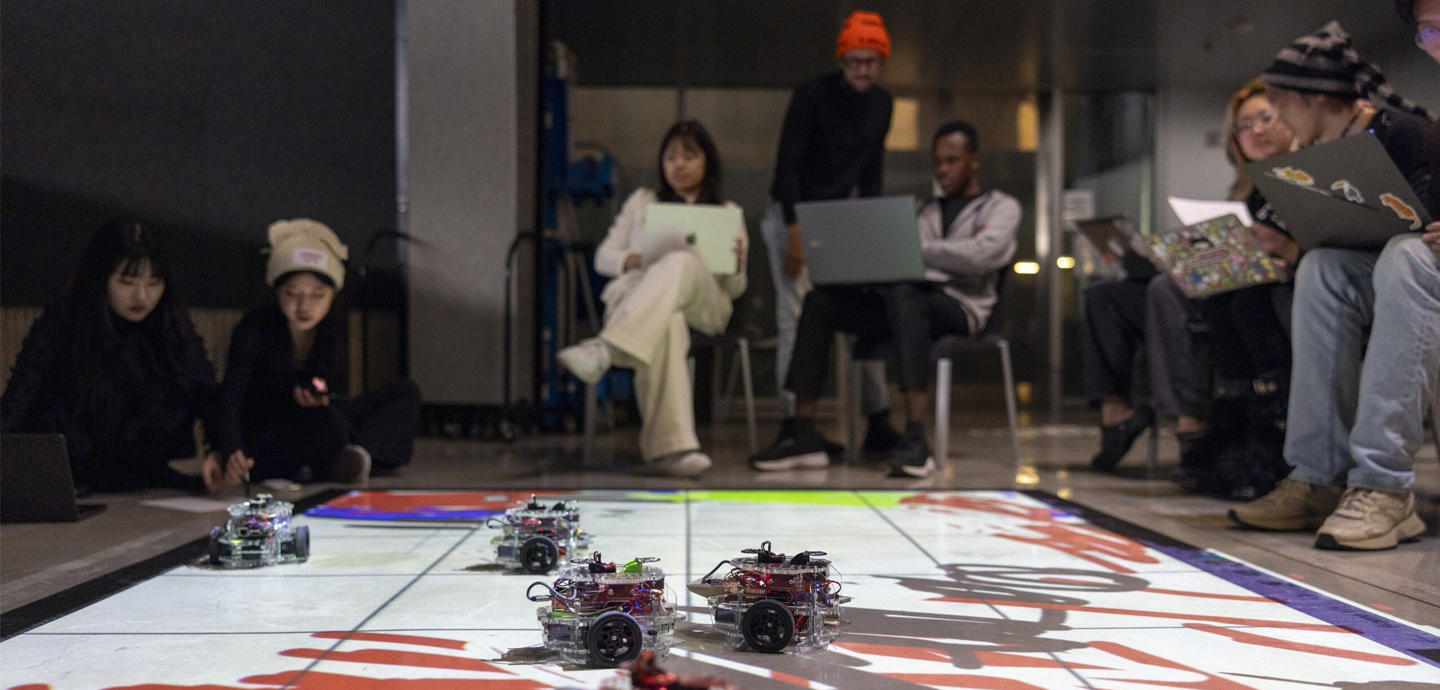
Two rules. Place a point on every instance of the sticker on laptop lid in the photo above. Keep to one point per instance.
(1403, 210)
(1293, 176)
(1351, 192)
(310, 258)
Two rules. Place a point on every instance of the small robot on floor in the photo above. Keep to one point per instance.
(645, 674)
(604, 614)
(536, 537)
(768, 601)
(257, 534)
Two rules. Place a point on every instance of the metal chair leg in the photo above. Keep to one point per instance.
(592, 414)
(850, 409)
(1152, 462)
(1004, 346)
(749, 383)
(942, 411)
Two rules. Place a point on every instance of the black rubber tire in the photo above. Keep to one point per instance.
(215, 533)
(539, 555)
(614, 638)
(302, 543)
(768, 627)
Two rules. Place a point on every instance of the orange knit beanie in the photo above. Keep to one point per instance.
(863, 30)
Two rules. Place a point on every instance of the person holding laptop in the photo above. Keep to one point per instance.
(654, 301)
(119, 370)
(832, 146)
(1354, 426)
(967, 236)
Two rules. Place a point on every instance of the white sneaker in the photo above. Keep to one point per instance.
(686, 463)
(588, 360)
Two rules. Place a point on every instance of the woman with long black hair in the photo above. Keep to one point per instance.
(650, 308)
(119, 370)
(283, 409)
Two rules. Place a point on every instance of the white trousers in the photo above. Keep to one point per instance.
(647, 321)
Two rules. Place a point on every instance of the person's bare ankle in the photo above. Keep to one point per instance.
(1190, 425)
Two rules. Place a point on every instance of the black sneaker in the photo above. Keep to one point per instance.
(880, 437)
(911, 457)
(799, 446)
(1115, 440)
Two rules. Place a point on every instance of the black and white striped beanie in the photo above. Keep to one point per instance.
(1325, 62)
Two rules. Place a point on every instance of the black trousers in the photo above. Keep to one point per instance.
(908, 314)
(1247, 335)
(1120, 316)
(382, 421)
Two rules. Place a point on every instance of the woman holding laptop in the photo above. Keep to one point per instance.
(656, 297)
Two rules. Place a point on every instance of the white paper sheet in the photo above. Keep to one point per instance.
(1192, 211)
(192, 504)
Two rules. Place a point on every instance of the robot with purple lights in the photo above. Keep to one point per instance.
(604, 614)
(257, 534)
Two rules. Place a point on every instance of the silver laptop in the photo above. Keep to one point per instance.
(35, 481)
(861, 241)
(1346, 193)
(710, 231)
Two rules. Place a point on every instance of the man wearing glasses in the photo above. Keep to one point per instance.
(831, 147)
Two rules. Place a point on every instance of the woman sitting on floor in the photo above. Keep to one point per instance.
(651, 307)
(119, 370)
(283, 409)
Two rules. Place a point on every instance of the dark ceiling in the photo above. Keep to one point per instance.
(966, 45)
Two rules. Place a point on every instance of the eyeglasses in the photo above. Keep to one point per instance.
(1246, 124)
(1428, 38)
(857, 62)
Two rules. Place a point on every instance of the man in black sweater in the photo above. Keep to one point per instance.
(831, 147)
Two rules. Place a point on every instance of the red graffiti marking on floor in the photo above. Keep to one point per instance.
(1209, 681)
(396, 639)
(962, 680)
(386, 657)
(1101, 547)
(1262, 641)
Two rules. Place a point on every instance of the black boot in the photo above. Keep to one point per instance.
(1115, 440)
(1264, 436)
(1208, 465)
(880, 436)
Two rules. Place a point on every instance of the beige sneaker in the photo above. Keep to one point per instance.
(1369, 520)
(1291, 507)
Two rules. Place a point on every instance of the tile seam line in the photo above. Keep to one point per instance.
(323, 655)
(1076, 674)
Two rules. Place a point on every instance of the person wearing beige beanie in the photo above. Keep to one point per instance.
(284, 408)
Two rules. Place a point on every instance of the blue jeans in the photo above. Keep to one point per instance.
(1363, 418)
(789, 298)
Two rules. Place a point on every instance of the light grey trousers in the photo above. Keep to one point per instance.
(1354, 421)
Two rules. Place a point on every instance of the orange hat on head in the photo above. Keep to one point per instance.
(863, 30)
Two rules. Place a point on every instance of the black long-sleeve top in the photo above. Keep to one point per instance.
(1432, 146)
(145, 407)
(1403, 135)
(261, 374)
(832, 143)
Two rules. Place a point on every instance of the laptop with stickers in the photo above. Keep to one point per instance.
(1345, 193)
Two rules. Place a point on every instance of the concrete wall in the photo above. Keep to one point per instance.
(466, 187)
